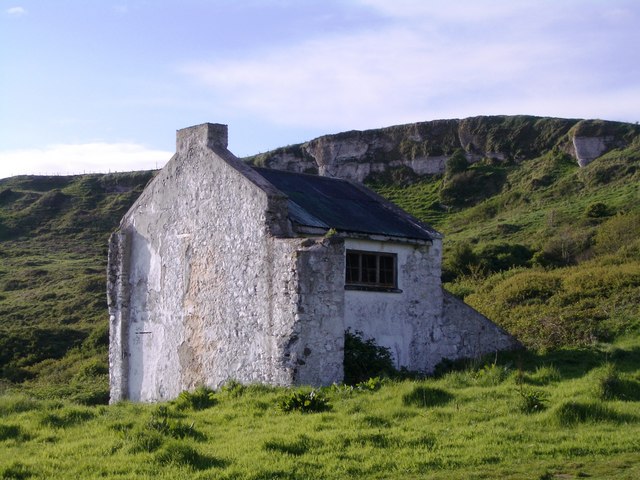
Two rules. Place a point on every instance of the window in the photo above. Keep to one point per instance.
(371, 271)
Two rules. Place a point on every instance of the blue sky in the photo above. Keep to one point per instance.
(104, 85)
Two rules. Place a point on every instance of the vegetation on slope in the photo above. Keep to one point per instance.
(552, 253)
(53, 319)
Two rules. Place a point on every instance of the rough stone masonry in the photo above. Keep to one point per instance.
(216, 273)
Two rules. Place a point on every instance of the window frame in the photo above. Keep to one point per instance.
(379, 270)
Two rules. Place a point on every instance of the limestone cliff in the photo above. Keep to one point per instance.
(423, 148)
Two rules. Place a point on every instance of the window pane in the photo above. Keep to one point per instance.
(352, 268)
(386, 270)
(369, 268)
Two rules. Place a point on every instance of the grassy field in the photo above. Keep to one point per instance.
(573, 413)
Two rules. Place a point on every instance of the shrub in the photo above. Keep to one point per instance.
(617, 232)
(304, 402)
(233, 389)
(608, 383)
(364, 359)
(456, 163)
(371, 385)
(490, 375)
(201, 398)
(503, 256)
(460, 261)
(470, 187)
(528, 287)
(531, 401)
(597, 210)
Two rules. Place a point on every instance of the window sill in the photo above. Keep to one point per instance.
(372, 288)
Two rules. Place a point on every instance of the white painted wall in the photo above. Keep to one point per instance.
(403, 321)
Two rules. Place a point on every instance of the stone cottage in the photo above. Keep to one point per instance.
(224, 271)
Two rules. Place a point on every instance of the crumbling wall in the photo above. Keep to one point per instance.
(316, 349)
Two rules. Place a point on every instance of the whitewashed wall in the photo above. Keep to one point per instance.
(403, 321)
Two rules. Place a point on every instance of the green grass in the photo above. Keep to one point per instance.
(465, 424)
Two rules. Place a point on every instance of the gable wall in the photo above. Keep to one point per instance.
(207, 285)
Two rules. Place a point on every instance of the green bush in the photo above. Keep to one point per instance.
(304, 402)
(364, 359)
(617, 232)
(503, 256)
(201, 398)
(459, 262)
(456, 163)
(608, 383)
(233, 389)
(490, 375)
(471, 186)
(597, 210)
(531, 401)
(145, 440)
(527, 287)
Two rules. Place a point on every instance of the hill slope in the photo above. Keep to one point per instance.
(541, 245)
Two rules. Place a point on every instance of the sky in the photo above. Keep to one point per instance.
(102, 86)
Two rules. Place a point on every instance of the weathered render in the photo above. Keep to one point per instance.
(221, 271)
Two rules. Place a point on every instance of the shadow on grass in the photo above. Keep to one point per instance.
(568, 414)
(296, 448)
(182, 455)
(426, 397)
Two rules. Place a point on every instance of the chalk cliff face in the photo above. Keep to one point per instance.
(423, 148)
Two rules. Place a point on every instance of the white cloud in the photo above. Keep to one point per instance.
(434, 59)
(16, 11)
(69, 159)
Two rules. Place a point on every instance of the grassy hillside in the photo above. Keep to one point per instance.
(53, 318)
(549, 250)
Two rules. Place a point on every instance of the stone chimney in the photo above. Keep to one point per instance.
(212, 135)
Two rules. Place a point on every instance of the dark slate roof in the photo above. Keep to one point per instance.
(323, 202)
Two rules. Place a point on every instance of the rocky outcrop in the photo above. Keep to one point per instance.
(423, 148)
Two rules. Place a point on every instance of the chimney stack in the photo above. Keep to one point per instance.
(211, 135)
